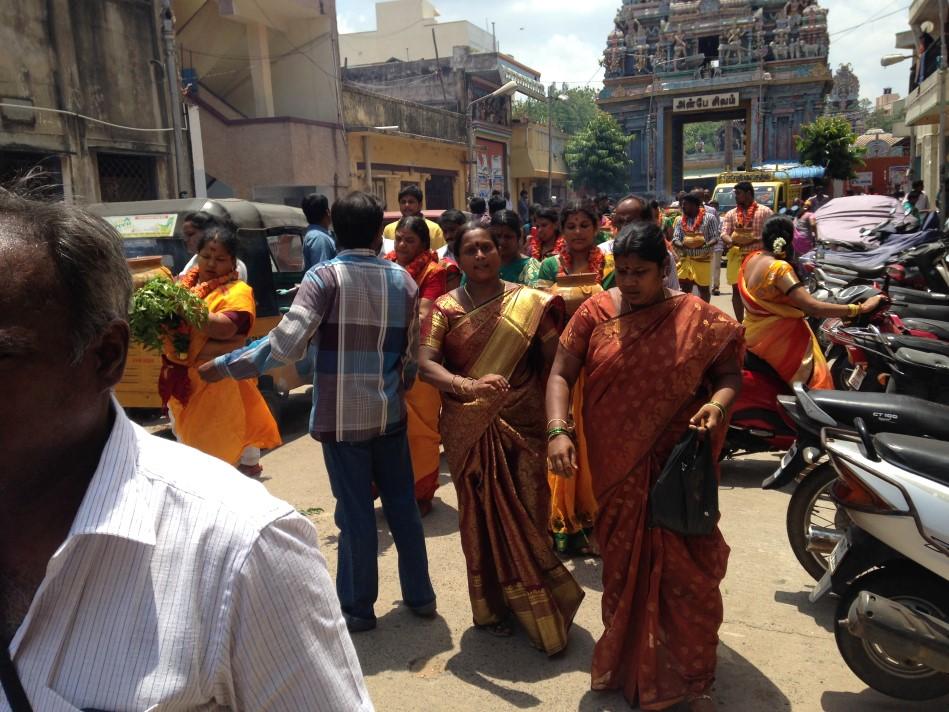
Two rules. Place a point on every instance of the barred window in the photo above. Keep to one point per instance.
(46, 168)
(124, 177)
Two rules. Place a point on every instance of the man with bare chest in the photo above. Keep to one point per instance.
(135, 573)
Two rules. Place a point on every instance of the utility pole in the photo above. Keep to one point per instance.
(550, 147)
(181, 181)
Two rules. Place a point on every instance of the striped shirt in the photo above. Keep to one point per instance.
(709, 229)
(361, 314)
(184, 585)
(730, 220)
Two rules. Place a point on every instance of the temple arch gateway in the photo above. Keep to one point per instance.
(671, 62)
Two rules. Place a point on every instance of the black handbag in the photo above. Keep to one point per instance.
(685, 497)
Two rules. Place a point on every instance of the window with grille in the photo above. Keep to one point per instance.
(123, 177)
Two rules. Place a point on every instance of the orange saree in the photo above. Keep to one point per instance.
(777, 331)
(222, 418)
(496, 449)
(661, 602)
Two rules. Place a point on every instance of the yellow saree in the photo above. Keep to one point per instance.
(777, 331)
(496, 449)
(223, 418)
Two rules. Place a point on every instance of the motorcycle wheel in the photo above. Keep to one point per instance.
(902, 679)
(811, 504)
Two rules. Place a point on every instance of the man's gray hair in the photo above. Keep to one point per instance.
(87, 256)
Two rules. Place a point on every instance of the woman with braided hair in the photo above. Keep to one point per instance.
(776, 309)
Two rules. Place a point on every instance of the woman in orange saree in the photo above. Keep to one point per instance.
(776, 310)
(486, 347)
(228, 419)
(423, 403)
(661, 603)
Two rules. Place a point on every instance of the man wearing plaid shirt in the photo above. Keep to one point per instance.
(361, 314)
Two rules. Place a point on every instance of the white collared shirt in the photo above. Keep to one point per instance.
(183, 585)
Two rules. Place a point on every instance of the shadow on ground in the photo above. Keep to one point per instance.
(873, 701)
(745, 472)
(488, 662)
(822, 612)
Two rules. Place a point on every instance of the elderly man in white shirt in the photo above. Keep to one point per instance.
(135, 573)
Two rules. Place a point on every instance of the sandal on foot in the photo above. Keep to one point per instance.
(498, 630)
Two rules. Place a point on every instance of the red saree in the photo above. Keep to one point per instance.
(661, 602)
(496, 449)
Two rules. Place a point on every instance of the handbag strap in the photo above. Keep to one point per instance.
(12, 687)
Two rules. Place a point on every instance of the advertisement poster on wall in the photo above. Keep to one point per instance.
(491, 167)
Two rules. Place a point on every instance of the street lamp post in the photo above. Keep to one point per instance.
(550, 142)
(504, 90)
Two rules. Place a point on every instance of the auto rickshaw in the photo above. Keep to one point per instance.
(270, 241)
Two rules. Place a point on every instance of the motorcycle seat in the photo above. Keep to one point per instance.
(885, 412)
(833, 262)
(917, 343)
(939, 328)
(921, 456)
(921, 311)
(926, 359)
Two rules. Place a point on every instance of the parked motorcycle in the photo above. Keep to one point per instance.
(814, 523)
(891, 570)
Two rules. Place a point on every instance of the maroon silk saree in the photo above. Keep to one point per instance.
(496, 449)
(646, 376)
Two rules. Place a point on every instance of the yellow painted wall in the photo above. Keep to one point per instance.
(413, 156)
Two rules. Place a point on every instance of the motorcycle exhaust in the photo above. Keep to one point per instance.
(900, 631)
(821, 540)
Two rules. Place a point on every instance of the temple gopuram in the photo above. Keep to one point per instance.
(761, 64)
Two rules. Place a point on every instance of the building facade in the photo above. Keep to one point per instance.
(264, 98)
(461, 83)
(394, 143)
(531, 147)
(672, 62)
(926, 100)
(407, 30)
(84, 97)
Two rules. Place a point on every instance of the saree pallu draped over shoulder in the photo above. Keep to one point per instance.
(496, 449)
(778, 332)
(661, 602)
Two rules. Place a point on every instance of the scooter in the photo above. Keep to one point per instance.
(814, 523)
(891, 570)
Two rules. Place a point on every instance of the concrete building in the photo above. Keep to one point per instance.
(926, 100)
(885, 102)
(264, 98)
(885, 162)
(83, 94)
(529, 160)
(394, 143)
(453, 83)
(672, 62)
(407, 30)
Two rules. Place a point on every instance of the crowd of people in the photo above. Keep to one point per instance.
(491, 338)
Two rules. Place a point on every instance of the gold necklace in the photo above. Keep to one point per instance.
(471, 299)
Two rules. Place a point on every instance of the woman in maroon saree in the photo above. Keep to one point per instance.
(658, 362)
(487, 347)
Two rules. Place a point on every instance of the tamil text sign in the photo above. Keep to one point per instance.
(706, 102)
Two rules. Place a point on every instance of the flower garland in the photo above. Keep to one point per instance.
(536, 248)
(745, 218)
(202, 289)
(418, 265)
(696, 224)
(595, 261)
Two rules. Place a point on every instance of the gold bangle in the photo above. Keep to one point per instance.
(720, 407)
(454, 388)
(566, 423)
(853, 310)
(470, 383)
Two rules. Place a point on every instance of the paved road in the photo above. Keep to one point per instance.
(777, 650)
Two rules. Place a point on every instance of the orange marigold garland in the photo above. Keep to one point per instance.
(536, 248)
(189, 280)
(745, 218)
(696, 224)
(595, 262)
(418, 265)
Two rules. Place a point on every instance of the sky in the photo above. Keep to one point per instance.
(564, 39)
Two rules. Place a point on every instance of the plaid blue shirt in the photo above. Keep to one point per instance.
(361, 314)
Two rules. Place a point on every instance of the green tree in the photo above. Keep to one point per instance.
(829, 142)
(570, 115)
(596, 156)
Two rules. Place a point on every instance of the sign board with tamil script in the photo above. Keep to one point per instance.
(706, 102)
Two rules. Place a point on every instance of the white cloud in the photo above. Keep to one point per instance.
(564, 39)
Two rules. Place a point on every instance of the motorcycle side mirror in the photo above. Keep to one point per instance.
(866, 440)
